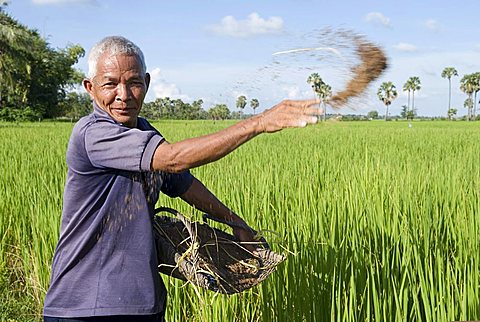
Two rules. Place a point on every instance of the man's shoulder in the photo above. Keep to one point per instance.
(89, 120)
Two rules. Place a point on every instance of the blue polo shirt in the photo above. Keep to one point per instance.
(105, 262)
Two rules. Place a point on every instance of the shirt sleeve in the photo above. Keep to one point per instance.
(176, 184)
(113, 146)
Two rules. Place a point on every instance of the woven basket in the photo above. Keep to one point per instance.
(208, 257)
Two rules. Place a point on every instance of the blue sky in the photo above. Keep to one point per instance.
(217, 50)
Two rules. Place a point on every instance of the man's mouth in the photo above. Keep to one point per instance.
(126, 110)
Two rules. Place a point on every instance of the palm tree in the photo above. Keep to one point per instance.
(468, 86)
(406, 87)
(468, 104)
(476, 88)
(241, 102)
(321, 89)
(324, 92)
(315, 82)
(416, 86)
(448, 72)
(254, 104)
(412, 84)
(387, 92)
(451, 113)
(313, 79)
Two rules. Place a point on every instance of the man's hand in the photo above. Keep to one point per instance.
(247, 237)
(290, 113)
(201, 198)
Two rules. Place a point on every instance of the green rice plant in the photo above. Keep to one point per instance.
(380, 220)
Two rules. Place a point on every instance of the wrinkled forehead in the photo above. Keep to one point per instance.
(119, 63)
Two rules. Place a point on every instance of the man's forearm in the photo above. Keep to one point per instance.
(198, 151)
(195, 152)
(201, 198)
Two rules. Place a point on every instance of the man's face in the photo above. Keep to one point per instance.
(119, 87)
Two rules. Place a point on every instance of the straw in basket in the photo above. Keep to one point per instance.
(209, 257)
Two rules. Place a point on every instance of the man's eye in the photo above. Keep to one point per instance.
(137, 83)
(109, 85)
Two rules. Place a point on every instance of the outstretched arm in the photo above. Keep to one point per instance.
(198, 151)
(201, 198)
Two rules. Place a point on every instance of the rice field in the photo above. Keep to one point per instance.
(380, 221)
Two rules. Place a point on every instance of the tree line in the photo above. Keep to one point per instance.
(34, 78)
(387, 92)
(469, 84)
(176, 109)
(39, 82)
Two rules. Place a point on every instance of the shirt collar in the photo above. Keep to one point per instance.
(102, 114)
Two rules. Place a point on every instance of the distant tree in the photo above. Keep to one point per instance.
(406, 88)
(468, 104)
(404, 112)
(372, 115)
(412, 84)
(449, 72)
(150, 111)
(451, 113)
(196, 111)
(387, 92)
(219, 112)
(3, 5)
(15, 41)
(167, 108)
(476, 88)
(237, 115)
(254, 104)
(411, 114)
(321, 89)
(52, 77)
(241, 102)
(33, 76)
(75, 105)
(468, 86)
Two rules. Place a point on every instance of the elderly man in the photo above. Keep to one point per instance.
(105, 266)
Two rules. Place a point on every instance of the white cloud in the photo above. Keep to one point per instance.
(60, 2)
(162, 88)
(292, 92)
(432, 24)
(378, 19)
(405, 47)
(252, 26)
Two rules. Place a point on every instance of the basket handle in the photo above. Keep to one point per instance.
(206, 216)
(167, 209)
(232, 224)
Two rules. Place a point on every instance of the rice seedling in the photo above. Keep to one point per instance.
(379, 220)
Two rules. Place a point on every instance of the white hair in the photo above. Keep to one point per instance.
(114, 45)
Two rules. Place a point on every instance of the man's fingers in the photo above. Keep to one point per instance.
(312, 111)
(291, 113)
(312, 102)
(306, 107)
(302, 121)
(301, 103)
(311, 120)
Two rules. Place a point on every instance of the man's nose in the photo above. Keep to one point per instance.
(123, 93)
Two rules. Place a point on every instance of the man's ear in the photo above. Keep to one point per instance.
(147, 81)
(87, 84)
